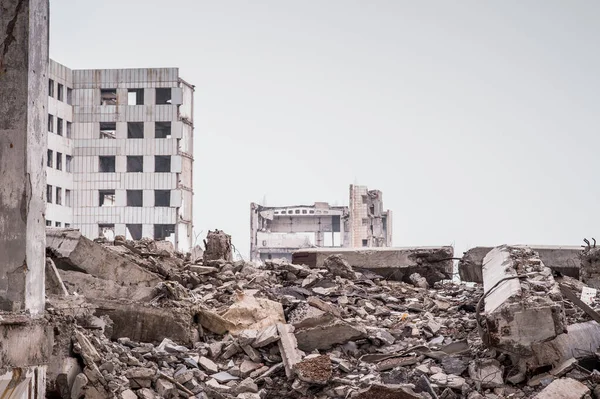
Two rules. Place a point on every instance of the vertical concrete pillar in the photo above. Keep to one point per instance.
(23, 120)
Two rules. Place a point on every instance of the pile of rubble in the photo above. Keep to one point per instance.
(138, 320)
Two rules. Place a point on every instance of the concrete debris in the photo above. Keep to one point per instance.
(519, 311)
(215, 328)
(218, 247)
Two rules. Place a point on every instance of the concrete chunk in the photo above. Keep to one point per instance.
(519, 311)
(559, 258)
(326, 335)
(288, 348)
(72, 251)
(433, 263)
(487, 373)
(563, 388)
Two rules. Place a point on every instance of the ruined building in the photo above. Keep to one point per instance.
(120, 153)
(276, 232)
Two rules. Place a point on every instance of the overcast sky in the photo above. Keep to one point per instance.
(477, 119)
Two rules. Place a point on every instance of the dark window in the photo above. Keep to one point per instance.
(69, 129)
(135, 163)
(51, 88)
(108, 96)
(365, 221)
(335, 224)
(135, 97)
(297, 211)
(365, 243)
(108, 130)
(67, 198)
(67, 225)
(365, 200)
(51, 123)
(135, 198)
(48, 223)
(69, 96)
(106, 231)
(304, 211)
(61, 92)
(59, 161)
(135, 130)
(58, 224)
(311, 212)
(106, 164)
(163, 96)
(106, 198)
(162, 130)
(50, 161)
(162, 198)
(135, 231)
(162, 163)
(59, 126)
(49, 193)
(162, 231)
(58, 196)
(68, 160)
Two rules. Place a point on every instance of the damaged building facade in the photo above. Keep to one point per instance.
(120, 153)
(276, 232)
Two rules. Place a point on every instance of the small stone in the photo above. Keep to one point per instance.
(246, 385)
(266, 337)
(165, 388)
(128, 394)
(146, 393)
(252, 353)
(212, 383)
(78, 384)
(223, 377)
(208, 365)
(487, 373)
(215, 349)
(231, 350)
(247, 337)
(248, 366)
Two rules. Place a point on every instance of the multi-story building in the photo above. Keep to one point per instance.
(276, 232)
(120, 153)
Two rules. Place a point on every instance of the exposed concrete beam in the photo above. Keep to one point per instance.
(523, 303)
(433, 263)
(23, 115)
(559, 258)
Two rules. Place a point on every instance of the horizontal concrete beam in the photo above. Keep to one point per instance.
(433, 263)
(559, 258)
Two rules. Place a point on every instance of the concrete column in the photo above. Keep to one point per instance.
(523, 303)
(23, 130)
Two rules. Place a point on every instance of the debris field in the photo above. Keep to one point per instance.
(136, 319)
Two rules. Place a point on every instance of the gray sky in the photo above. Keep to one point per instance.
(477, 119)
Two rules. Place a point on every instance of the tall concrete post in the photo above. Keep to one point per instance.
(23, 129)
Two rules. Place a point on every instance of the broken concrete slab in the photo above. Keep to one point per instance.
(519, 311)
(338, 266)
(559, 258)
(433, 263)
(563, 388)
(580, 340)
(94, 287)
(70, 250)
(146, 323)
(324, 336)
(288, 348)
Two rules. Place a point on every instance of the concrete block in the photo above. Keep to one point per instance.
(519, 312)
(563, 388)
(25, 342)
(144, 323)
(580, 340)
(326, 335)
(72, 251)
(433, 263)
(559, 258)
(288, 348)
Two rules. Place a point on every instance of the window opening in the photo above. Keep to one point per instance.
(135, 130)
(162, 130)
(135, 97)
(163, 96)
(106, 231)
(67, 197)
(50, 123)
(106, 164)
(50, 161)
(163, 231)
(51, 88)
(135, 198)
(59, 161)
(108, 130)
(48, 193)
(61, 92)
(69, 129)
(58, 196)
(135, 163)
(108, 96)
(162, 198)
(162, 163)
(134, 231)
(106, 198)
(68, 160)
